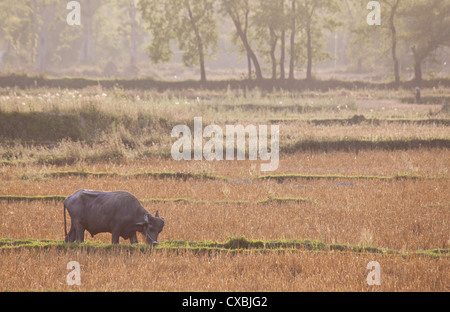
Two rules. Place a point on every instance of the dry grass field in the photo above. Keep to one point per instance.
(248, 271)
(390, 205)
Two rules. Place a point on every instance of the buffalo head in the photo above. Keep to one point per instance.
(152, 226)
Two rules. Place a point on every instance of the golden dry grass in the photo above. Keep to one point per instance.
(404, 214)
(423, 162)
(26, 270)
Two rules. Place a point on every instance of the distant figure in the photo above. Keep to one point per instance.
(417, 95)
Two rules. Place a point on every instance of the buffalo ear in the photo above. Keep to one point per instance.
(157, 214)
(146, 220)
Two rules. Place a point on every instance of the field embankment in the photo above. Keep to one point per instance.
(26, 82)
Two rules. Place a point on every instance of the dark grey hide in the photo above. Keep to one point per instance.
(119, 213)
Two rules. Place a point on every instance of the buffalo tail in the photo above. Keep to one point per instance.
(65, 225)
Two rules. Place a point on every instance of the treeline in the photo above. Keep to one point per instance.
(276, 37)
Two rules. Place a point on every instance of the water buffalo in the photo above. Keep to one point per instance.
(119, 213)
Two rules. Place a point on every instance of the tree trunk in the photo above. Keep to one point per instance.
(247, 47)
(359, 68)
(394, 43)
(35, 35)
(282, 55)
(43, 39)
(88, 9)
(249, 59)
(309, 53)
(418, 71)
(292, 43)
(273, 45)
(42, 34)
(201, 56)
(417, 65)
(309, 42)
(202, 65)
(283, 45)
(133, 35)
(243, 36)
(87, 45)
(396, 66)
(249, 64)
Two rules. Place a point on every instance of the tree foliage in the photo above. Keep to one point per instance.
(191, 23)
(428, 28)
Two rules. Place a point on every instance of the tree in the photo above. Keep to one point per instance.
(315, 16)
(284, 27)
(109, 35)
(308, 12)
(41, 31)
(238, 11)
(268, 24)
(293, 29)
(394, 6)
(388, 33)
(190, 22)
(17, 30)
(372, 43)
(359, 39)
(235, 39)
(88, 10)
(271, 22)
(133, 31)
(428, 24)
(129, 27)
(35, 32)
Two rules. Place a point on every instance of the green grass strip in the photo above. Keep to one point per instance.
(357, 144)
(279, 200)
(32, 198)
(354, 177)
(233, 244)
(157, 175)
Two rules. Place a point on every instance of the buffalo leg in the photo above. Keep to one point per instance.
(72, 235)
(79, 229)
(115, 237)
(133, 238)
